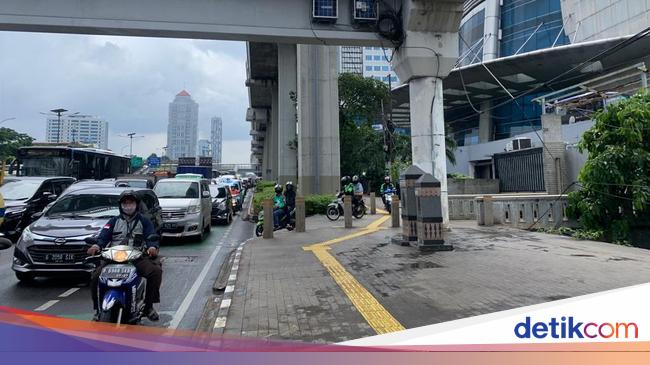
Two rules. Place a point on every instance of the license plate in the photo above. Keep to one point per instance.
(169, 225)
(59, 257)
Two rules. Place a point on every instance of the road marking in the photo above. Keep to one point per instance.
(232, 277)
(45, 306)
(372, 311)
(235, 267)
(225, 303)
(229, 289)
(220, 322)
(185, 304)
(68, 292)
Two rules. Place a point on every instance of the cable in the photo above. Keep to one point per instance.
(551, 207)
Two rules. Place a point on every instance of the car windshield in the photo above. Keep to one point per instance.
(19, 190)
(132, 183)
(218, 191)
(86, 206)
(177, 189)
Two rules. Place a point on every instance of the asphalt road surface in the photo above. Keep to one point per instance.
(190, 268)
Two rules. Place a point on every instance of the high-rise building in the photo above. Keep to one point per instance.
(352, 60)
(182, 130)
(216, 135)
(85, 129)
(204, 148)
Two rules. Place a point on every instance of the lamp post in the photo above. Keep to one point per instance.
(6, 119)
(59, 112)
(131, 136)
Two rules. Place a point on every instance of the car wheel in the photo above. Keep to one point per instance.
(25, 277)
(208, 228)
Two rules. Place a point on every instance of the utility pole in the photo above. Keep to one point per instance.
(58, 123)
(131, 136)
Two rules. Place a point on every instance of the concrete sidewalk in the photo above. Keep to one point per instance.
(285, 292)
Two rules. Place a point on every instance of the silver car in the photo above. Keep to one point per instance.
(186, 207)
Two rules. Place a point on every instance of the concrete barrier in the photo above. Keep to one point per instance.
(347, 211)
(395, 212)
(300, 214)
(524, 211)
(267, 205)
(373, 204)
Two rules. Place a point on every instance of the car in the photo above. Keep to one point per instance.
(186, 207)
(54, 243)
(135, 183)
(222, 209)
(25, 196)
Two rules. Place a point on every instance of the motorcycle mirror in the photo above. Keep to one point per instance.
(4, 243)
(153, 238)
(91, 240)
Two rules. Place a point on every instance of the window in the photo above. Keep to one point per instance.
(377, 68)
(368, 58)
(377, 58)
(368, 68)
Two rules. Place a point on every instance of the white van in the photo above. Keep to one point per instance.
(186, 206)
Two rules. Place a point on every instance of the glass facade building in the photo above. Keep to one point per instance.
(539, 20)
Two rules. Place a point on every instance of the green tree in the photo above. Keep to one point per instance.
(10, 141)
(615, 180)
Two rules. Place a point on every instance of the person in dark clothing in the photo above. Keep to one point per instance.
(290, 197)
(124, 230)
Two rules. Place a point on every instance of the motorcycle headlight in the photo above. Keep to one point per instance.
(120, 256)
(194, 209)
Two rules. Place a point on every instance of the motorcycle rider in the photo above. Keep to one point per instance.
(279, 206)
(358, 191)
(124, 229)
(289, 197)
(386, 186)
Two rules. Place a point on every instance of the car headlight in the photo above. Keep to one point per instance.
(26, 237)
(194, 209)
(14, 210)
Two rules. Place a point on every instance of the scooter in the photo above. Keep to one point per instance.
(120, 289)
(287, 221)
(388, 199)
(335, 208)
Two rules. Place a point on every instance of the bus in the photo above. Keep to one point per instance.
(78, 162)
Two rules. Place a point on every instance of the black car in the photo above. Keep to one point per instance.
(222, 209)
(25, 196)
(55, 242)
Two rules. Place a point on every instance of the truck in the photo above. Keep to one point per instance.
(205, 171)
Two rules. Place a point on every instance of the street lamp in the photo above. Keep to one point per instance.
(59, 112)
(131, 136)
(4, 120)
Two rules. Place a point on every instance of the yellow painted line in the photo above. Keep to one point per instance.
(372, 311)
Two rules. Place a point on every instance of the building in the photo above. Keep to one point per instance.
(182, 129)
(352, 60)
(204, 148)
(368, 62)
(216, 136)
(85, 129)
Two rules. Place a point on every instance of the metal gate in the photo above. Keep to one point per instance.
(520, 171)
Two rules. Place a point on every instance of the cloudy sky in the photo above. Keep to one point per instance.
(128, 81)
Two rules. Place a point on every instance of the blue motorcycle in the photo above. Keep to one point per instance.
(120, 289)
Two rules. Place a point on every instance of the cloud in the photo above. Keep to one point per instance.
(127, 80)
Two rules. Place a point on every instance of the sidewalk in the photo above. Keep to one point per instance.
(283, 291)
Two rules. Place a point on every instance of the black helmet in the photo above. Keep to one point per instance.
(278, 188)
(289, 185)
(355, 179)
(129, 194)
(344, 180)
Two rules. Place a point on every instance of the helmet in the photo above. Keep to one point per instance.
(345, 179)
(278, 188)
(355, 179)
(289, 185)
(129, 195)
(386, 179)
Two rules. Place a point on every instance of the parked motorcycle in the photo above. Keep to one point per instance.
(288, 222)
(120, 289)
(335, 208)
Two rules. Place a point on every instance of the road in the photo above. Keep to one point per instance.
(189, 271)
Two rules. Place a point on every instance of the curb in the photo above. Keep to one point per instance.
(228, 291)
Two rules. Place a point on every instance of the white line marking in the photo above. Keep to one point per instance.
(232, 277)
(229, 289)
(235, 267)
(220, 322)
(182, 309)
(225, 303)
(46, 306)
(68, 292)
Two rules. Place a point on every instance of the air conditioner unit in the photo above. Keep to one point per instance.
(325, 11)
(365, 10)
(519, 144)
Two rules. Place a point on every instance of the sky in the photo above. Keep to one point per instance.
(128, 81)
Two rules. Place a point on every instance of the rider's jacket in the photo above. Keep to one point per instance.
(120, 231)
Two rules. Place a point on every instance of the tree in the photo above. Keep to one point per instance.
(10, 141)
(615, 180)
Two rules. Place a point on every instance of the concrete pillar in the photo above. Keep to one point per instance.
(318, 120)
(555, 174)
(275, 128)
(267, 167)
(491, 29)
(300, 214)
(431, 234)
(485, 125)
(428, 133)
(287, 84)
(394, 212)
(347, 211)
(267, 205)
(373, 204)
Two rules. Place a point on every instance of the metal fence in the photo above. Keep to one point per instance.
(520, 171)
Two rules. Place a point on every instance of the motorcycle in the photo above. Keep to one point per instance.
(120, 289)
(287, 221)
(388, 199)
(335, 208)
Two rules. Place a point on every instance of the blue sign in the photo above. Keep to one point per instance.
(153, 161)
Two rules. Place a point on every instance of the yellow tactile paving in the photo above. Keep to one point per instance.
(374, 313)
